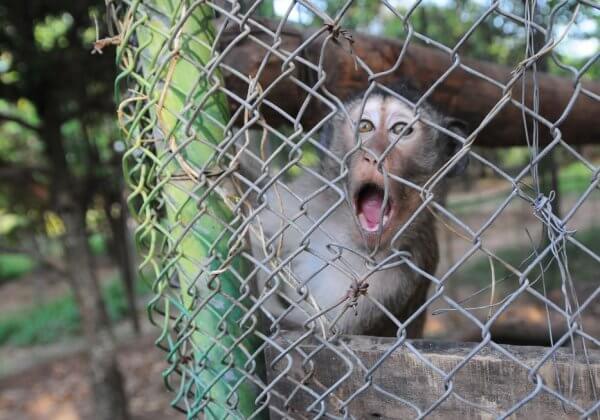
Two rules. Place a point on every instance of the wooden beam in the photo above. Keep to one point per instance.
(489, 379)
(462, 94)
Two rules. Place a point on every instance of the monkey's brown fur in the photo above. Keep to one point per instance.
(316, 229)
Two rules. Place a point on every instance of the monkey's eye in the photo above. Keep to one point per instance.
(398, 127)
(364, 126)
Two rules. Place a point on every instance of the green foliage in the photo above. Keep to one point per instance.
(360, 15)
(514, 157)
(41, 324)
(574, 178)
(51, 33)
(98, 244)
(265, 9)
(10, 222)
(13, 266)
(59, 318)
(17, 144)
(49, 79)
(583, 267)
(115, 300)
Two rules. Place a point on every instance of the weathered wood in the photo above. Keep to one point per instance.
(461, 95)
(490, 380)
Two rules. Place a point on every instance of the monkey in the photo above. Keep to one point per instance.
(350, 245)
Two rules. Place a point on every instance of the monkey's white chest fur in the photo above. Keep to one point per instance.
(311, 258)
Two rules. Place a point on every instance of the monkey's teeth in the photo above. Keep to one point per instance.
(385, 220)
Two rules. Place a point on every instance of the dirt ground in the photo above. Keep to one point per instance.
(58, 390)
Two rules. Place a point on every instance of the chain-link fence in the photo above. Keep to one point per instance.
(283, 179)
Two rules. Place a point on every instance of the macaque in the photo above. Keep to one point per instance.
(345, 246)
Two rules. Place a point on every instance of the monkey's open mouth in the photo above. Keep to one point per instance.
(369, 207)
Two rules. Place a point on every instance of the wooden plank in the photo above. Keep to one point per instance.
(489, 379)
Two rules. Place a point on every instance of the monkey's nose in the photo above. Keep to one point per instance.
(369, 158)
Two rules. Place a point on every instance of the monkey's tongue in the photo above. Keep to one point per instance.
(370, 207)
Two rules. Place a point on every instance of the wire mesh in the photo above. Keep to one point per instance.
(250, 225)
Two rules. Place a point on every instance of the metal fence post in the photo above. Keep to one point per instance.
(167, 52)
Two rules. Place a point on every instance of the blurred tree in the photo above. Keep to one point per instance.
(57, 141)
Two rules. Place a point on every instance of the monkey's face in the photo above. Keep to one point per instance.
(395, 151)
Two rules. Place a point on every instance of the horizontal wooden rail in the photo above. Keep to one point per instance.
(462, 94)
(489, 379)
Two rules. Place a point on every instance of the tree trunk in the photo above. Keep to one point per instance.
(106, 380)
(549, 180)
(121, 254)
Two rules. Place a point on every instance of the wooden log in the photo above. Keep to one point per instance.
(490, 381)
(462, 94)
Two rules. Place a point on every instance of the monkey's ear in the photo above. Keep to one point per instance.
(453, 146)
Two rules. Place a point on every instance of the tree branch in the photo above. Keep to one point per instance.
(20, 121)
